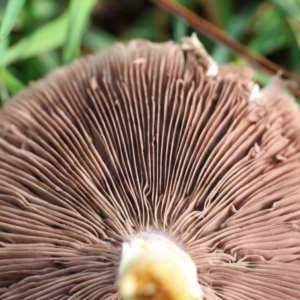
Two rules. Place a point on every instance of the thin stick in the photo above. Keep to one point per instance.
(219, 36)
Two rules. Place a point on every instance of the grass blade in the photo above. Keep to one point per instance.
(271, 32)
(235, 28)
(289, 7)
(180, 26)
(3, 46)
(12, 84)
(96, 39)
(78, 15)
(46, 38)
(11, 12)
(224, 10)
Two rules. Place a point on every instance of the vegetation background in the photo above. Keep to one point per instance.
(37, 36)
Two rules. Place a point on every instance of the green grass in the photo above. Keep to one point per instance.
(37, 36)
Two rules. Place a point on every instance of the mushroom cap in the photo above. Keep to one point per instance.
(140, 138)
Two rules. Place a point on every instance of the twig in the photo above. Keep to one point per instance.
(219, 36)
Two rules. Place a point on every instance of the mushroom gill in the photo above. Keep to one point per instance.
(147, 162)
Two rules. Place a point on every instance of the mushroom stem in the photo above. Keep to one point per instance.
(157, 268)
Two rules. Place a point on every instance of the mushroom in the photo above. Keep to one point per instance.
(148, 172)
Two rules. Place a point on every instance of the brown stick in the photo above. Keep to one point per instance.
(219, 36)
